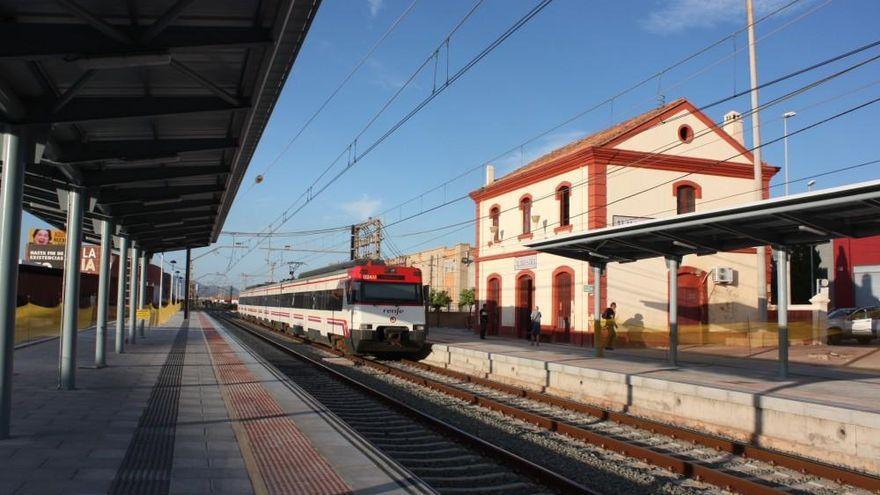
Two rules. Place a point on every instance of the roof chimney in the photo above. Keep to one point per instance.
(490, 174)
(733, 125)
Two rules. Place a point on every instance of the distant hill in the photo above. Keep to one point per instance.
(217, 291)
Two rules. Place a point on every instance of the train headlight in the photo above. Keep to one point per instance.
(365, 326)
(419, 327)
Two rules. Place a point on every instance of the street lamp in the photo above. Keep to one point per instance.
(810, 185)
(171, 296)
(785, 117)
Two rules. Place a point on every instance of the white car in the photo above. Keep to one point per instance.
(861, 324)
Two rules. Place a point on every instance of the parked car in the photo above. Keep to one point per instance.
(861, 324)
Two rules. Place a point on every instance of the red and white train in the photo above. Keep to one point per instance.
(369, 307)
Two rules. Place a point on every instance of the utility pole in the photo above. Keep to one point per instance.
(761, 281)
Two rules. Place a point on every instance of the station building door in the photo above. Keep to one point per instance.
(692, 298)
(562, 283)
(493, 305)
(525, 301)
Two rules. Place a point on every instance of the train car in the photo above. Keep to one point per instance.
(366, 307)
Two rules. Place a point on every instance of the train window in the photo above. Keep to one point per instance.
(335, 300)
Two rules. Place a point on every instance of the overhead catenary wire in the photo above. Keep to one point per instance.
(581, 114)
(338, 88)
(470, 222)
(311, 192)
(631, 88)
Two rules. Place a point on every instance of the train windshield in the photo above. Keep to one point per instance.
(386, 292)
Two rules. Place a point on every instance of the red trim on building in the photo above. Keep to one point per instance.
(527, 235)
(512, 254)
(562, 228)
(476, 251)
(698, 190)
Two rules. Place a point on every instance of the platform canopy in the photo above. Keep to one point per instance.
(153, 108)
(809, 218)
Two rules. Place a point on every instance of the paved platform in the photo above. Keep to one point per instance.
(185, 410)
(826, 412)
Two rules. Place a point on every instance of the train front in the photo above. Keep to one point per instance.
(387, 310)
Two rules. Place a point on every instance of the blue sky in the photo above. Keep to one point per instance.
(571, 56)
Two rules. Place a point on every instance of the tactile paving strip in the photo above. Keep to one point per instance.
(287, 461)
(146, 468)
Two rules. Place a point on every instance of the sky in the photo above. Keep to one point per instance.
(570, 57)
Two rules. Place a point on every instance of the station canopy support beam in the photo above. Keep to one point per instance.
(782, 309)
(121, 282)
(70, 300)
(186, 285)
(12, 152)
(142, 290)
(103, 294)
(132, 294)
(598, 268)
(673, 263)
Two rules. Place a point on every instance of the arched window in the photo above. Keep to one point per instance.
(686, 199)
(563, 194)
(494, 215)
(525, 205)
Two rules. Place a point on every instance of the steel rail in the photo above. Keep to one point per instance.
(742, 449)
(692, 469)
(675, 464)
(536, 471)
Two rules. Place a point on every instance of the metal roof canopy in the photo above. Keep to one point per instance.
(152, 108)
(808, 218)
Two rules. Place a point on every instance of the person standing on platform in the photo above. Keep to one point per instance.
(484, 321)
(536, 326)
(609, 325)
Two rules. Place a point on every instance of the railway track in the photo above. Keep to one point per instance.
(722, 462)
(447, 458)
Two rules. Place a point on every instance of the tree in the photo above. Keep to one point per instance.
(439, 299)
(466, 298)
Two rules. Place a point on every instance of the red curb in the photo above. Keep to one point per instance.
(287, 460)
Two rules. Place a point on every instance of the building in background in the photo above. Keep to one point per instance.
(668, 161)
(443, 268)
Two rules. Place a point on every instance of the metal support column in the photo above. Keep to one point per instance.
(186, 286)
(672, 264)
(13, 155)
(782, 309)
(161, 278)
(103, 294)
(597, 309)
(120, 295)
(142, 290)
(132, 294)
(70, 299)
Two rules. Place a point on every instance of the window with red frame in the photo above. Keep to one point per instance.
(686, 198)
(526, 206)
(494, 213)
(564, 195)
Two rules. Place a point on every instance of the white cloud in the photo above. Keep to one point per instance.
(361, 208)
(675, 16)
(375, 6)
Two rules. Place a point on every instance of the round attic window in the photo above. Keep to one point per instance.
(685, 133)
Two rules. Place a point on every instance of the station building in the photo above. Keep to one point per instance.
(685, 160)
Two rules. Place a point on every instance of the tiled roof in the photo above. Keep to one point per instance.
(600, 138)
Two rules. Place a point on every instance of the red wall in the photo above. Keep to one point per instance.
(847, 254)
(42, 286)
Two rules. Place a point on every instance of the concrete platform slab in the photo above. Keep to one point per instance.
(824, 412)
(155, 419)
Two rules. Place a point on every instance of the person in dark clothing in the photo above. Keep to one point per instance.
(609, 324)
(484, 321)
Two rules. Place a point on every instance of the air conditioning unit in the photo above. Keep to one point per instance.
(722, 275)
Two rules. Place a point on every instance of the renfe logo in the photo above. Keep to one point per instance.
(395, 311)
